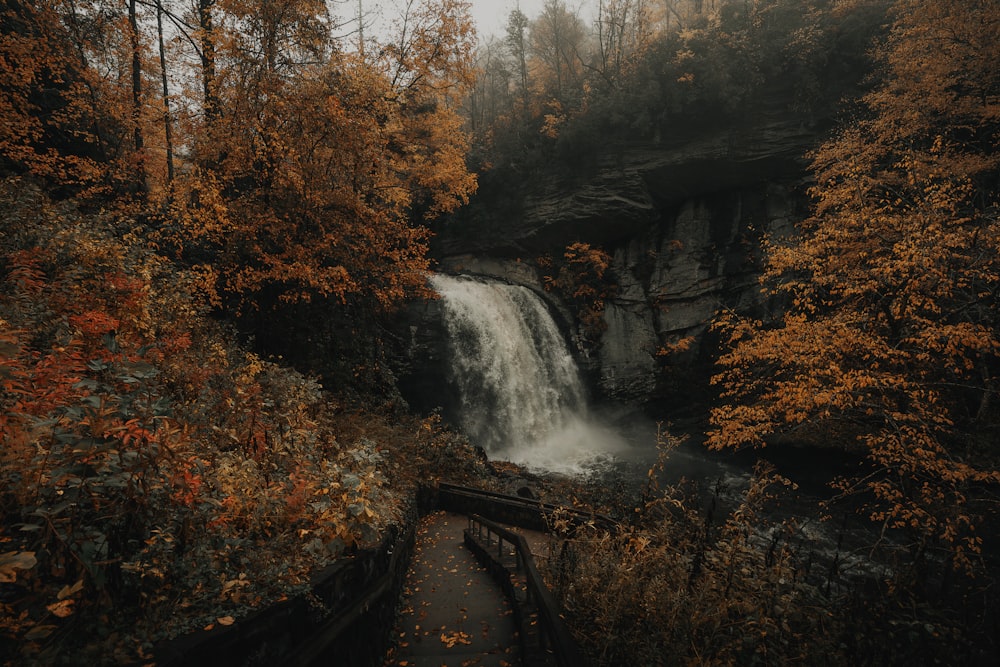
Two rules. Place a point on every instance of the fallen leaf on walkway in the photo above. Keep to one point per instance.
(456, 637)
(61, 609)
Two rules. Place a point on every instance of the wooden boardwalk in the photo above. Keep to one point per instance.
(452, 612)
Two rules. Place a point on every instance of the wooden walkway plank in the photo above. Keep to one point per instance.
(452, 613)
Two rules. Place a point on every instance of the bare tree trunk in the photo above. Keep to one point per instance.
(167, 120)
(137, 97)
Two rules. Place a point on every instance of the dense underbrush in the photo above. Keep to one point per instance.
(725, 582)
(155, 476)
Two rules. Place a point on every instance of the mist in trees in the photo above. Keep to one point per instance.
(556, 91)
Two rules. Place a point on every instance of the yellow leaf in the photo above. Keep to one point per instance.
(39, 632)
(226, 620)
(67, 591)
(61, 609)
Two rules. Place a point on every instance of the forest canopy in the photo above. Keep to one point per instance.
(554, 88)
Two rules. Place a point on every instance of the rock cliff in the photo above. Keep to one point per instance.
(683, 220)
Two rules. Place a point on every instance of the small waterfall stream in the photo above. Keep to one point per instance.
(521, 395)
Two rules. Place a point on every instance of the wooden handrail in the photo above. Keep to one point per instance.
(543, 509)
(294, 623)
(564, 647)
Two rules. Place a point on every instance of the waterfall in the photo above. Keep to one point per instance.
(520, 392)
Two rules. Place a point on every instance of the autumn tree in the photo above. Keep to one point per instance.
(430, 68)
(324, 155)
(625, 29)
(516, 39)
(206, 35)
(310, 192)
(61, 120)
(888, 342)
(557, 39)
(255, 50)
(82, 99)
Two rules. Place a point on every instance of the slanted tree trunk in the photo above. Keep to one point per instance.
(137, 138)
(167, 120)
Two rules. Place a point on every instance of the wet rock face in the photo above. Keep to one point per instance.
(675, 276)
(626, 360)
(631, 187)
(420, 369)
(672, 275)
(683, 221)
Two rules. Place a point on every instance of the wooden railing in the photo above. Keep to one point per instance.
(344, 619)
(507, 553)
(514, 510)
(358, 594)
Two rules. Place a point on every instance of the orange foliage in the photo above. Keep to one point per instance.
(142, 448)
(581, 279)
(312, 174)
(890, 337)
(139, 444)
(34, 52)
(64, 106)
(317, 175)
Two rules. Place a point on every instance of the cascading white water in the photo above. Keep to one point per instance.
(521, 395)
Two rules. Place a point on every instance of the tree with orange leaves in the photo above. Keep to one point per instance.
(889, 342)
(48, 124)
(327, 165)
(72, 98)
